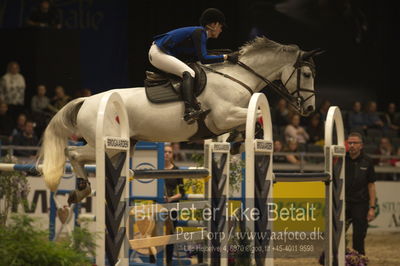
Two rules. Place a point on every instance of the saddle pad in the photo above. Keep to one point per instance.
(162, 93)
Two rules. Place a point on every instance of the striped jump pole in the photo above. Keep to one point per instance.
(335, 153)
(216, 160)
(112, 172)
(259, 179)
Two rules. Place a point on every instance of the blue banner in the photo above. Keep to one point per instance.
(103, 27)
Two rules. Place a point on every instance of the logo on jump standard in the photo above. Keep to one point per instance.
(117, 143)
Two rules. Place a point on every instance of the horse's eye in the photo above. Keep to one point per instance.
(307, 75)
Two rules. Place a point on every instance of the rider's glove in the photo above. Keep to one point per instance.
(233, 57)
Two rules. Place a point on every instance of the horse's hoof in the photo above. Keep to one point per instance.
(77, 196)
(235, 148)
(72, 198)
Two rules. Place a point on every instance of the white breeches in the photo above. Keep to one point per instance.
(168, 63)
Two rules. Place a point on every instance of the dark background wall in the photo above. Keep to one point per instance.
(103, 44)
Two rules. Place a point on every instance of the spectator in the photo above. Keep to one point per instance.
(360, 191)
(386, 149)
(44, 16)
(6, 123)
(86, 92)
(315, 130)
(59, 100)
(371, 116)
(278, 147)
(19, 129)
(356, 118)
(40, 102)
(40, 109)
(178, 155)
(26, 138)
(292, 146)
(323, 109)
(282, 114)
(396, 162)
(295, 131)
(12, 88)
(390, 118)
(83, 93)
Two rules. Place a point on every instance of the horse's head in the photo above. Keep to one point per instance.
(297, 83)
(292, 68)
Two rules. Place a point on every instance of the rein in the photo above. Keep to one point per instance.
(231, 78)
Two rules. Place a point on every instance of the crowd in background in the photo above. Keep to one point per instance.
(380, 131)
(22, 121)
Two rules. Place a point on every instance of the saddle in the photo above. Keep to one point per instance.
(163, 87)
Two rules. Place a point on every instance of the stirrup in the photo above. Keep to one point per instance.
(193, 115)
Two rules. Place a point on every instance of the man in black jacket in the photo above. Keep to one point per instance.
(360, 190)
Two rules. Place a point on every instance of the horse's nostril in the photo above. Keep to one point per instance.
(310, 108)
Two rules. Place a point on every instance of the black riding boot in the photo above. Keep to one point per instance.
(192, 107)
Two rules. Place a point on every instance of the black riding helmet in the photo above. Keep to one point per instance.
(211, 15)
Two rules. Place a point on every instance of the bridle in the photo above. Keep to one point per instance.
(295, 99)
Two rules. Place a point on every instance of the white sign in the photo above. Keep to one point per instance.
(388, 207)
(117, 143)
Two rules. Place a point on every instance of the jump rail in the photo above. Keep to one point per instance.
(301, 177)
(170, 174)
(9, 167)
(216, 164)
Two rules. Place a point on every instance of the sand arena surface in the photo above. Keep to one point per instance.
(382, 249)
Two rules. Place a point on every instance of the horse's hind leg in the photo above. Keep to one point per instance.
(78, 156)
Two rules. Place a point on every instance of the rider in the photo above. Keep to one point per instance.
(188, 44)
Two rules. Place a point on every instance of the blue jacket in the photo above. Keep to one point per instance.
(187, 44)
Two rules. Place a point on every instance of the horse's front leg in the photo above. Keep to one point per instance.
(232, 118)
(236, 119)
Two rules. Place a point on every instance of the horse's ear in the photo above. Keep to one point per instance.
(312, 53)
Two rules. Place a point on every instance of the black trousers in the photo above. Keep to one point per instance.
(170, 248)
(356, 214)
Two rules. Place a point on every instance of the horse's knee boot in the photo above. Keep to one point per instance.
(83, 190)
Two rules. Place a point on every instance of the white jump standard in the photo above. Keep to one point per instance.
(260, 179)
(112, 184)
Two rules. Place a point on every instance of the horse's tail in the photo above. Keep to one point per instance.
(55, 137)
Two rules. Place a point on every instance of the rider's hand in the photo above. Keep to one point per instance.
(233, 57)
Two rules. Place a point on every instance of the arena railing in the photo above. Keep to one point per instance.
(304, 165)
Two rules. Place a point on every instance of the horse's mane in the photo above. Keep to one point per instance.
(263, 42)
